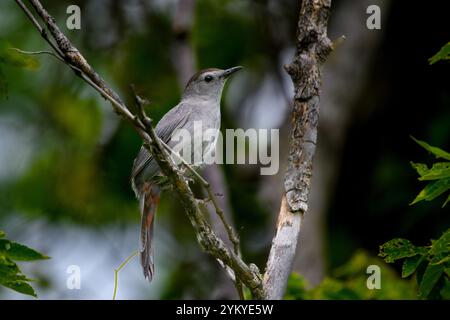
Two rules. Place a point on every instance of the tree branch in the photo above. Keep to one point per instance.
(313, 47)
(248, 274)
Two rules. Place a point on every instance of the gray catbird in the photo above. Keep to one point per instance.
(200, 103)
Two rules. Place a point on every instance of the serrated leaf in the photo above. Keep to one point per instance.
(410, 265)
(439, 153)
(19, 252)
(432, 190)
(430, 278)
(398, 249)
(443, 54)
(421, 168)
(439, 170)
(442, 244)
(440, 249)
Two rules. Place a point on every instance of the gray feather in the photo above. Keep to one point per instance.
(144, 165)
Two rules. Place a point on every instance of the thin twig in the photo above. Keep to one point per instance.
(116, 272)
(40, 29)
(32, 53)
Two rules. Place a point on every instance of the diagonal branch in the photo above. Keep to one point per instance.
(248, 274)
(313, 47)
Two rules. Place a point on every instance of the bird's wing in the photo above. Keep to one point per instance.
(172, 120)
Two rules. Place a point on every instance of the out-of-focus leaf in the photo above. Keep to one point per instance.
(296, 288)
(3, 84)
(439, 153)
(430, 279)
(10, 56)
(433, 190)
(445, 291)
(11, 277)
(443, 54)
(398, 249)
(349, 281)
(19, 252)
(2, 234)
(439, 170)
(410, 265)
(20, 286)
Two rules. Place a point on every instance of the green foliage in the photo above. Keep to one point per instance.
(349, 281)
(439, 153)
(11, 57)
(443, 54)
(399, 249)
(438, 174)
(10, 274)
(430, 263)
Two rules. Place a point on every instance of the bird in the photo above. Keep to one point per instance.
(200, 101)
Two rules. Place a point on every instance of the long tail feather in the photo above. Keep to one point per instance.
(149, 199)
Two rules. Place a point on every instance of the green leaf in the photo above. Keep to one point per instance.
(439, 170)
(19, 286)
(445, 292)
(432, 190)
(446, 201)
(398, 249)
(2, 234)
(10, 274)
(440, 249)
(443, 54)
(19, 252)
(410, 265)
(439, 153)
(421, 168)
(11, 277)
(430, 279)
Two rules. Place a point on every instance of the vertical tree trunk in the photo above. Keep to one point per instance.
(343, 83)
(313, 47)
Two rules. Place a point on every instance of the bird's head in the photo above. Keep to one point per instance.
(208, 83)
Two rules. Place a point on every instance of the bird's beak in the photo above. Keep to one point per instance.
(228, 72)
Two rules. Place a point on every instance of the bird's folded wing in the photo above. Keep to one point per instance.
(174, 119)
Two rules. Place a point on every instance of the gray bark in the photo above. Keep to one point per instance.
(344, 78)
(313, 47)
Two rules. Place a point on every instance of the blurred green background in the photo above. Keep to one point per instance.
(65, 157)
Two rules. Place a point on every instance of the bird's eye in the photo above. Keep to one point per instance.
(208, 78)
